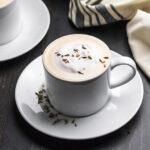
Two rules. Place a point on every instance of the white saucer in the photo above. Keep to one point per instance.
(124, 104)
(35, 24)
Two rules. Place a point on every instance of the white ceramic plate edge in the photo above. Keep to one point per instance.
(131, 116)
(40, 39)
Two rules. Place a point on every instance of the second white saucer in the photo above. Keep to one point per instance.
(35, 19)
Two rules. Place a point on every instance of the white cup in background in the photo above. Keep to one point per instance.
(10, 22)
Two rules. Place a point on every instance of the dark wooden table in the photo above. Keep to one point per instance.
(16, 134)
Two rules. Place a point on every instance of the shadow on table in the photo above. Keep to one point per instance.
(122, 136)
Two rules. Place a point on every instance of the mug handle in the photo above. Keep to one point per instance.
(123, 61)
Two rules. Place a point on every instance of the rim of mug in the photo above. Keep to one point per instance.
(3, 6)
(80, 81)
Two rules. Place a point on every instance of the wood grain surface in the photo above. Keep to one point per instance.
(16, 134)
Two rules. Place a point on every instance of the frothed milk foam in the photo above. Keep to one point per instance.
(76, 57)
(4, 2)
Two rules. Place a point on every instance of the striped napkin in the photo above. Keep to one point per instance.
(86, 13)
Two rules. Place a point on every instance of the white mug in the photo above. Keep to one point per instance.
(85, 97)
(10, 23)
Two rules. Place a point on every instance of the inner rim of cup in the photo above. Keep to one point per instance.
(3, 6)
(74, 81)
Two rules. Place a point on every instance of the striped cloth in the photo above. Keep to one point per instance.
(86, 13)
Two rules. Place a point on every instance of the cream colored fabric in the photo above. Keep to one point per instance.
(138, 30)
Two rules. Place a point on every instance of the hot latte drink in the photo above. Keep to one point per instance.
(76, 58)
(4, 2)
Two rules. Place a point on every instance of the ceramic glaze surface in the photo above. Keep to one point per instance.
(10, 22)
(124, 101)
(81, 94)
(30, 34)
